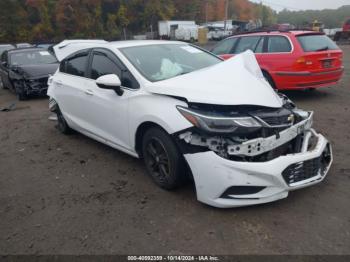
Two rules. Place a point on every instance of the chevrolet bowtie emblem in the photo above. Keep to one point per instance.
(291, 119)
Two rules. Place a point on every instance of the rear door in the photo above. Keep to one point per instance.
(71, 92)
(276, 54)
(320, 53)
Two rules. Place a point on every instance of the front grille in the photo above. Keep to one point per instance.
(308, 169)
(278, 120)
(39, 84)
(277, 117)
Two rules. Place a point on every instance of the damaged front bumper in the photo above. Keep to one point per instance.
(223, 182)
(34, 86)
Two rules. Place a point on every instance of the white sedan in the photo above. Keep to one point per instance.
(188, 114)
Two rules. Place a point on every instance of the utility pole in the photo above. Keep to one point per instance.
(206, 11)
(226, 14)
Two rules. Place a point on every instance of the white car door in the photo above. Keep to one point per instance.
(105, 111)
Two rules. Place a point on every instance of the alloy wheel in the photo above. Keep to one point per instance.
(157, 159)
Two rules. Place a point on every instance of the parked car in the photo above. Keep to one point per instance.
(173, 105)
(290, 60)
(5, 47)
(23, 45)
(26, 71)
(45, 46)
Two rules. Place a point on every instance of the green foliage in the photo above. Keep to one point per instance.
(13, 21)
(332, 18)
(53, 20)
(112, 30)
(267, 15)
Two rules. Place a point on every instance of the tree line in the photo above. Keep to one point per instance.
(332, 18)
(54, 20)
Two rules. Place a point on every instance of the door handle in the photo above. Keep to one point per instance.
(89, 92)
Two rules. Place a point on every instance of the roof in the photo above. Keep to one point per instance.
(131, 43)
(303, 32)
(68, 47)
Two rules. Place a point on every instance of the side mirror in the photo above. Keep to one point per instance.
(111, 82)
(4, 64)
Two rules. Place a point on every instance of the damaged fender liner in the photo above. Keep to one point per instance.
(191, 142)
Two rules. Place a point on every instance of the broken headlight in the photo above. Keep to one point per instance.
(219, 124)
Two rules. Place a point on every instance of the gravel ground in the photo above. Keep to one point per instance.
(71, 195)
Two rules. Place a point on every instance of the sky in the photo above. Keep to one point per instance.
(278, 5)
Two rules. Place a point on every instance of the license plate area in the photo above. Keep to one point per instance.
(327, 64)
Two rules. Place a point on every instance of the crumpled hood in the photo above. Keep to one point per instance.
(237, 81)
(32, 71)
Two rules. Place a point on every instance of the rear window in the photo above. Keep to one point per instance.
(315, 43)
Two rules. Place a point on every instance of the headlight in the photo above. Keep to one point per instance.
(217, 124)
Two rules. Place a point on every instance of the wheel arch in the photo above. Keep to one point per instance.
(140, 132)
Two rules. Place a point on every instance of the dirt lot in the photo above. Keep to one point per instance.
(71, 195)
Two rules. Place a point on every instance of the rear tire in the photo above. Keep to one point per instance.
(164, 163)
(62, 124)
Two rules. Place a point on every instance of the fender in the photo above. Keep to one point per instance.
(158, 109)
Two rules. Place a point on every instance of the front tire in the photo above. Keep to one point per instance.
(164, 162)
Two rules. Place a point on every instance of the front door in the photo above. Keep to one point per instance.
(106, 111)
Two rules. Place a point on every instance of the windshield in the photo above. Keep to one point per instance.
(32, 58)
(164, 61)
(314, 43)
